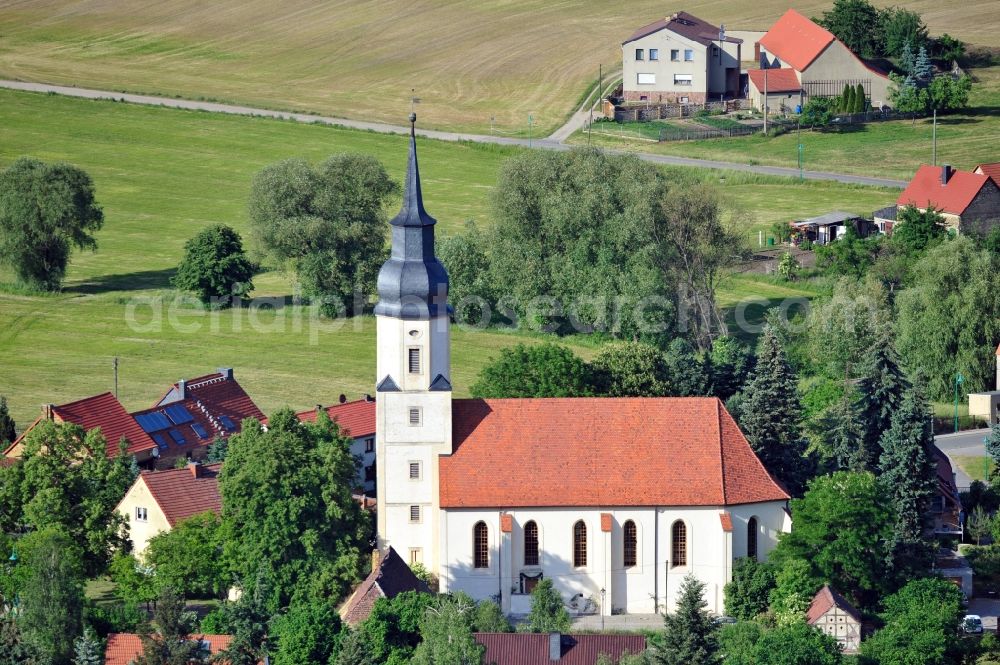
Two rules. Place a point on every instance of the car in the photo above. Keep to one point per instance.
(723, 620)
(972, 623)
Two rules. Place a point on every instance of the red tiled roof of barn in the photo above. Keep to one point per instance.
(356, 419)
(180, 494)
(992, 170)
(796, 40)
(103, 411)
(124, 648)
(533, 648)
(778, 80)
(685, 25)
(665, 451)
(926, 190)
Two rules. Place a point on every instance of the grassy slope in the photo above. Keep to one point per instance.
(466, 59)
(162, 174)
(891, 149)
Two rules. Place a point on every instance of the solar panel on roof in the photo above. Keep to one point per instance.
(160, 441)
(178, 414)
(228, 423)
(152, 422)
(177, 437)
(199, 430)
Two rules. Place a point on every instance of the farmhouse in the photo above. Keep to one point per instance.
(820, 62)
(390, 577)
(832, 614)
(678, 60)
(968, 201)
(158, 500)
(614, 500)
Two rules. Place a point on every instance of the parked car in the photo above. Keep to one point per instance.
(972, 623)
(723, 620)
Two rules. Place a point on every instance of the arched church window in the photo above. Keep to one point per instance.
(752, 538)
(630, 537)
(680, 544)
(579, 544)
(531, 544)
(481, 545)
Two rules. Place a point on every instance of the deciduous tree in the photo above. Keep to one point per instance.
(214, 267)
(45, 211)
(746, 595)
(858, 24)
(548, 614)
(631, 369)
(305, 633)
(732, 362)
(542, 370)
(904, 29)
(446, 634)
(188, 558)
(471, 289)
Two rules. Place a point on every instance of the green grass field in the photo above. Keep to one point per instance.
(162, 174)
(890, 149)
(467, 60)
(977, 468)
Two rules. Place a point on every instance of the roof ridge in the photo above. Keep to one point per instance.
(722, 451)
(107, 393)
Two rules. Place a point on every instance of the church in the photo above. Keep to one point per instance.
(615, 500)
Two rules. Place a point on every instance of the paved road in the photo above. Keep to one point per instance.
(547, 144)
(963, 444)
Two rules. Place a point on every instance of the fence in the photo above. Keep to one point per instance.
(834, 88)
(641, 112)
(699, 134)
(946, 424)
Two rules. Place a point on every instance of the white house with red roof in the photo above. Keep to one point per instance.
(126, 648)
(968, 201)
(614, 500)
(356, 419)
(820, 63)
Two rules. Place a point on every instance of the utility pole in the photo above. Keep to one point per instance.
(530, 120)
(493, 119)
(934, 140)
(959, 379)
(116, 376)
(765, 101)
(799, 133)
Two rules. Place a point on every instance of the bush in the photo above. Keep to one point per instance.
(215, 267)
(117, 618)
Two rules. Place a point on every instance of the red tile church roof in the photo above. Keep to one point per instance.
(796, 40)
(681, 451)
(926, 190)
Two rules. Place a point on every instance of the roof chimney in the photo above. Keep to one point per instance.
(945, 173)
(182, 388)
(376, 559)
(319, 409)
(555, 646)
(47, 411)
(226, 372)
(343, 398)
(722, 32)
(194, 468)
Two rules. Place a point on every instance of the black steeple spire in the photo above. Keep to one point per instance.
(412, 284)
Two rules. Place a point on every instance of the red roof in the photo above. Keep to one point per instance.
(387, 580)
(180, 494)
(796, 40)
(992, 170)
(533, 648)
(825, 599)
(926, 190)
(107, 413)
(665, 451)
(124, 648)
(778, 80)
(685, 25)
(356, 419)
(727, 522)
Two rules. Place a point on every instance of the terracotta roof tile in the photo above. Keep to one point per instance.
(124, 648)
(778, 80)
(796, 40)
(685, 25)
(180, 494)
(926, 190)
(992, 170)
(533, 648)
(825, 599)
(684, 451)
(107, 413)
(391, 578)
(356, 419)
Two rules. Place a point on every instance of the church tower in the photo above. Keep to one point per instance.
(413, 395)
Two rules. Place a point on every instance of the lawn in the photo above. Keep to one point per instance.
(977, 468)
(162, 174)
(467, 60)
(891, 149)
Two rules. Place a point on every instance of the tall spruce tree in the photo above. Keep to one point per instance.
(923, 68)
(170, 644)
(907, 59)
(770, 412)
(880, 391)
(841, 438)
(908, 478)
(688, 376)
(88, 649)
(690, 637)
(8, 430)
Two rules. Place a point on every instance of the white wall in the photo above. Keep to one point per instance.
(366, 459)
(664, 69)
(141, 532)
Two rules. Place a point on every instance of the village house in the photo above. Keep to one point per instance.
(819, 62)
(680, 59)
(968, 202)
(390, 577)
(615, 500)
(102, 412)
(158, 500)
(992, 170)
(356, 420)
(125, 648)
(830, 613)
(986, 405)
(556, 648)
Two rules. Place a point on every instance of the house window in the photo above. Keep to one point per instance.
(579, 545)
(531, 544)
(752, 538)
(683, 100)
(415, 415)
(414, 361)
(654, 54)
(414, 470)
(680, 549)
(414, 514)
(675, 55)
(643, 98)
(416, 555)
(715, 50)
(481, 545)
(645, 79)
(630, 538)
(638, 54)
(683, 79)
(369, 445)
(688, 55)
(370, 473)
(141, 514)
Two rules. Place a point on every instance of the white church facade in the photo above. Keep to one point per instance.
(613, 499)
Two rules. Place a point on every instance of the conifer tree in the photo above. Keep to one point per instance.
(908, 478)
(170, 644)
(923, 68)
(88, 649)
(842, 439)
(992, 443)
(691, 636)
(8, 430)
(851, 99)
(906, 59)
(353, 650)
(687, 375)
(880, 391)
(845, 99)
(770, 412)
(217, 450)
(860, 100)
